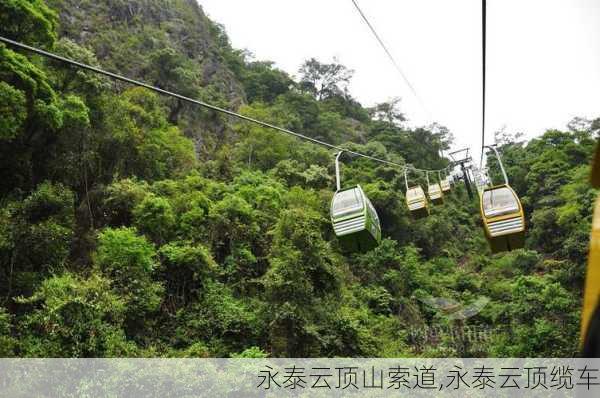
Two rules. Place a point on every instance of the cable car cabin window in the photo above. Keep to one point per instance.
(346, 202)
(498, 202)
(372, 211)
(414, 194)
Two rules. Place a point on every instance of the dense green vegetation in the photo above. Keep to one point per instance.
(135, 225)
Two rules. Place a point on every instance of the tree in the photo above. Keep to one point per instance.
(580, 124)
(13, 111)
(8, 343)
(302, 277)
(154, 217)
(233, 221)
(324, 80)
(75, 318)
(262, 82)
(186, 269)
(85, 84)
(541, 319)
(30, 21)
(137, 140)
(31, 110)
(133, 226)
(228, 324)
(595, 127)
(35, 238)
(503, 137)
(171, 71)
(388, 111)
(129, 261)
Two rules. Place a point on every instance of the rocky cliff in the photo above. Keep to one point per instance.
(168, 43)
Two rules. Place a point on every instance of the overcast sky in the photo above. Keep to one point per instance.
(543, 56)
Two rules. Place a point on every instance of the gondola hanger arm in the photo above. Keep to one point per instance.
(338, 183)
(493, 148)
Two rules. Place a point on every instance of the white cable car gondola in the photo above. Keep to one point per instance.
(415, 199)
(354, 219)
(502, 215)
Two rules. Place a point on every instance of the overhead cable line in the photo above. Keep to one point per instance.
(483, 47)
(391, 57)
(200, 103)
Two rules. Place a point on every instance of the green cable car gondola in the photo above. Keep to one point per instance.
(354, 219)
(502, 215)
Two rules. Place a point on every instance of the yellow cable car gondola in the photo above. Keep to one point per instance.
(434, 191)
(444, 183)
(502, 215)
(415, 199)
(481, 179)
(590, 314)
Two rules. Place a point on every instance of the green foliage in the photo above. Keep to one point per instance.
(27, 98)
(264, 83)
(129, 261)
(137, 225)
(552, 177)
(35, 237)
(303, 276)
(123, 254)
(252, 352)
(138, 140)
(74, 318)
(16, 70)
(84, 83)
(388, 112)
(185, 268)
(324, 80)
(228, 324)
(154, 217)
(31, 21)
(170, 67)
(7, 342)
(13, 111)
(122, 197)
(547, 333)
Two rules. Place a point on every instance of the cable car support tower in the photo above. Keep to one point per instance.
(463, 158)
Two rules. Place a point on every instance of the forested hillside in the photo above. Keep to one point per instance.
(137, 225)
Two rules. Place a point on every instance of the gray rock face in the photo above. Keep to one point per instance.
(125, 35)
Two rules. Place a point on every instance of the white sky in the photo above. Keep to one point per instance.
(543, 56)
